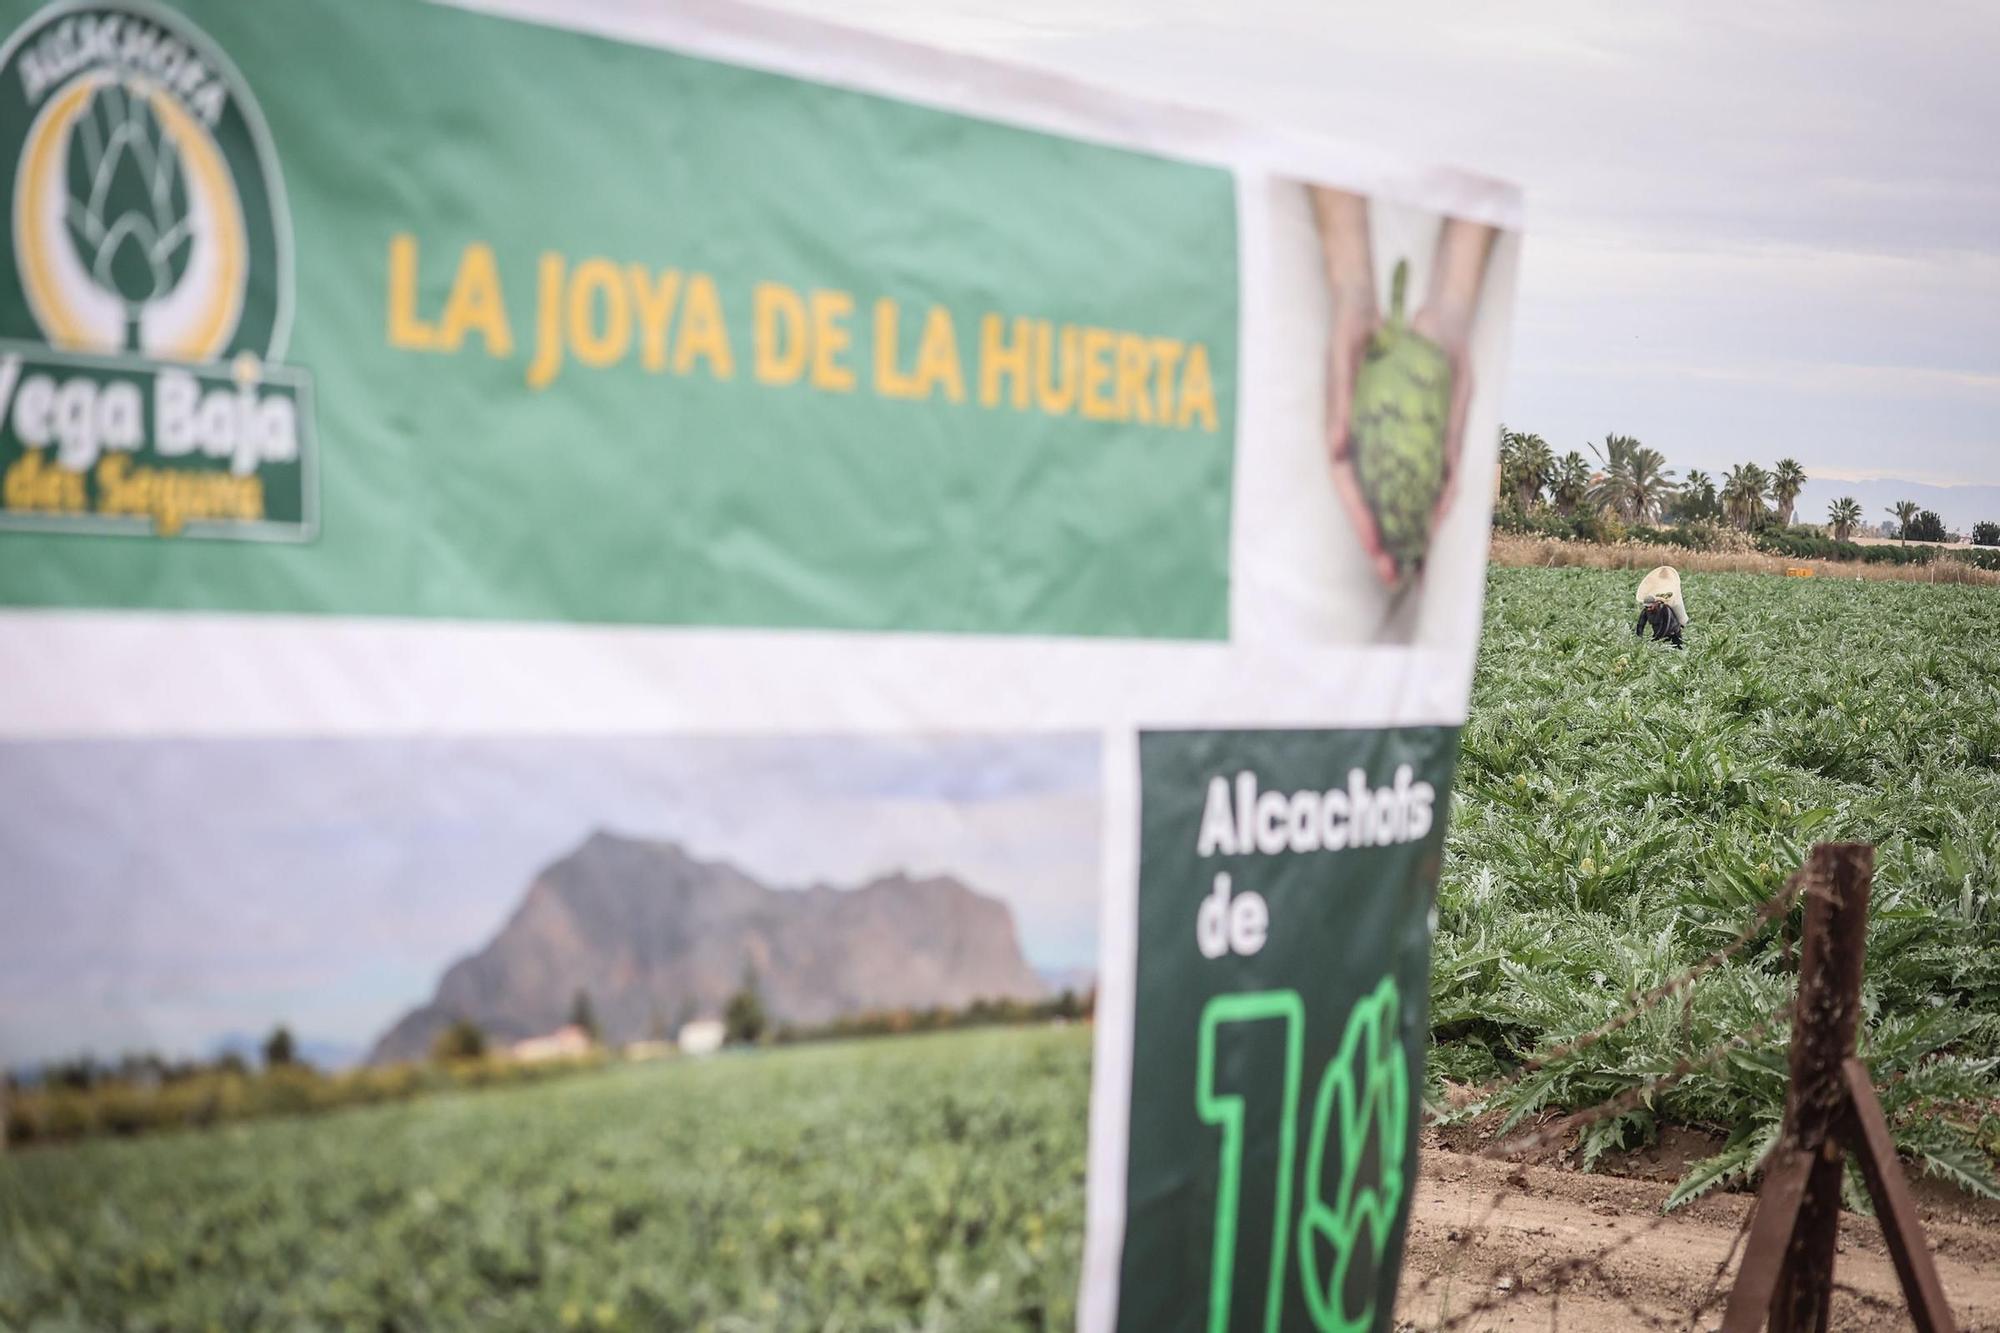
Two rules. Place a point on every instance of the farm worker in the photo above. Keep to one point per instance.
(1660, 605)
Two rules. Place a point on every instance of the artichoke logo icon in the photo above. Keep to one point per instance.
(148, 210)
(128, 214)
(146, 301)
(132, 232)
(1364, 1103)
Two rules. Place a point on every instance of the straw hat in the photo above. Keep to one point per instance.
(1664, 585)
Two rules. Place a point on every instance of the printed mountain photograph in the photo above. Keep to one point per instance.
(377, 901)
(555, 1034)
(644, 931)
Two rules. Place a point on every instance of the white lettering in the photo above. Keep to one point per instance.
(1273, 822)
(1211, 922)
(75, 422)
(1218, 822)
(1242, 817)
(1224, 925)
(1333, 820)
(1305, 821)
(1421, 797)
(225, 422)
(1246, 810)
(278, 430)
(176, 397)
(1360, 811)
(121, 416)
(32, 409)
(215, 425)
(1249, 923)
(10, 375)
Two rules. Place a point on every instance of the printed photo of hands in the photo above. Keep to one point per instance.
(1398, 382)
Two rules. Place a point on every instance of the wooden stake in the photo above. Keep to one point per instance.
(1867, 1135)
(1829, 1011)
(1787, 1271)
(1777, 1213)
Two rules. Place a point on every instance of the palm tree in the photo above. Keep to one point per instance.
(1743, 493)
(1635, 481)
(1904, 512)
(1526, 466)
(1648, 481)
(1571, 483)
(1786, 483)
(1615, 449)
(1844, 514)
(1698, 495)
(1537, 468)
(1611, 456)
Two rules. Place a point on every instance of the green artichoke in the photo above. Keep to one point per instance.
(1402, 400)
(128, 213)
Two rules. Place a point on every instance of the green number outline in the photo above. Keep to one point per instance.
(1226, 1111)
(1385, 1098)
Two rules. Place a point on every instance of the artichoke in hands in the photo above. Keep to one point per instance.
(1402, 402)
(128, 213)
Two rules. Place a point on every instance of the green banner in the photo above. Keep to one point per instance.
(496, 321)
(1285, 885)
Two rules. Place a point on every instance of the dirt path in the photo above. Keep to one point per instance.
(1464, 1253)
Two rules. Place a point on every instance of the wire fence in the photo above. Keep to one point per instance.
(1637, 1005)
(1548, 1279)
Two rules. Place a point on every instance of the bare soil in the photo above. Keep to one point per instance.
(1494, 1245)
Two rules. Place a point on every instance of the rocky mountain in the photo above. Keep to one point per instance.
(654, 935)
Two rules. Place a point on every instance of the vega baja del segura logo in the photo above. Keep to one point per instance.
(147, 305)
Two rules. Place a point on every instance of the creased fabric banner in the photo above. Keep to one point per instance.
(644, 338)
(526, 502)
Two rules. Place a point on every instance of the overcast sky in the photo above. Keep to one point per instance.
(1755, 229)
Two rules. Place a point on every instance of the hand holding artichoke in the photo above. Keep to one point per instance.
(1402, 408)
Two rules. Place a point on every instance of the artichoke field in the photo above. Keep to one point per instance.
(929, 1181)
(1622, 810)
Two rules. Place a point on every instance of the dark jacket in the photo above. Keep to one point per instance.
(1666, 625)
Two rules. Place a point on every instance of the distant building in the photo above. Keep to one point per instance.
(648, 1050)
(702, 1036)
(565, 1043)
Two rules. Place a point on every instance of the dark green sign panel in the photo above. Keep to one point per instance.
(1285, 887)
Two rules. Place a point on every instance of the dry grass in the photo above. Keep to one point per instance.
(1511, 549)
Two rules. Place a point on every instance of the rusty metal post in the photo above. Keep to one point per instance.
(1829, 1011)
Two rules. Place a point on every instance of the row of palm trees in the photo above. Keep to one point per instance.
(1634, 482)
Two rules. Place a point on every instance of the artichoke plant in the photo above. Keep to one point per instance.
(1402, 398)
(128, 214)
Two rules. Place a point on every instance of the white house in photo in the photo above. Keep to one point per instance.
(701, 1036)
(565, 1043)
